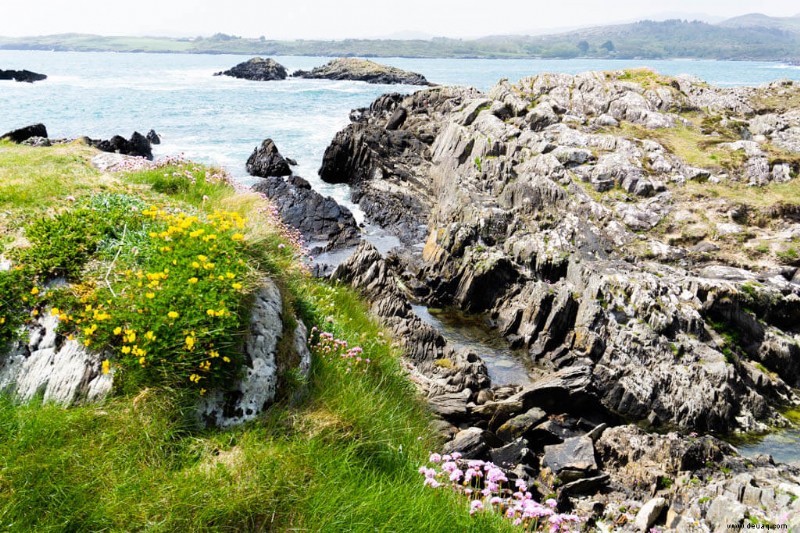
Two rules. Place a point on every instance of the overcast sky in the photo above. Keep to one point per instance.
(335, 19)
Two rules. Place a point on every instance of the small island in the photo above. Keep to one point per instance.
(347, 68)
(257, 69)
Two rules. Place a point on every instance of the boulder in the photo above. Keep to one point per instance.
(649, 513)
(23, 134)
(257, 69)
(348, 68)
(153, 137)
(21, 75)
(319, 219)
(259, 383)
(512, 454)
(471, 443)
(521, 424)
(266, 161)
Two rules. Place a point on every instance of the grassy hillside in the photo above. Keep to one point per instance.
(341, 456)
(755, 38)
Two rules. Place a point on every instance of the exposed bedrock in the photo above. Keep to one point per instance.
(257, 69)
(350, 68)
(585, 216)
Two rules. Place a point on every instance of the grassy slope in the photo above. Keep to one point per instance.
(342, 459)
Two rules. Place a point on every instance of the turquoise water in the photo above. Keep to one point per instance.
(219, 120)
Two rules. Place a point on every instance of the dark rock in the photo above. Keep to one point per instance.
(573, 459)
(317, 218)
(512, 454)
(587, 485)
(23, 134)
(266, 161)
(153, 137)
(471, 443)
(137, 146)
(257, 69)
(397, 120)
(23, 76)
(362, 70)
(552, 431)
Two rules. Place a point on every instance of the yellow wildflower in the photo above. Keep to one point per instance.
(195, 264)
(106, 366)
(126, 350)
(237, 237)
(55, 312)
(237, 286)
(2, 320)
(226, 359)
(190, 342)
(213, 354)
(173, 314)
(192, 281)
(210, 312)
(150, 336)
(117, 330)
(34, 291)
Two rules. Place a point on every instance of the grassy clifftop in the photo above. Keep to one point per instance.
(341, 456)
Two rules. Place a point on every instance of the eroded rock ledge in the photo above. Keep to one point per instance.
(585, 215)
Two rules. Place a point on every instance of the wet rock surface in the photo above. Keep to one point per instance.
(346, 68)
(319, 219)
(257, 69)
(138, 145)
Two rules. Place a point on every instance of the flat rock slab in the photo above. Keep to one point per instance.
(574, 455)
(347, 68)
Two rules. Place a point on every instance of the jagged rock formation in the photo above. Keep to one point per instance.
(65, 372)
(572, 210)
(257, 69)
(323, 223)
(23, 134)
(21, 75)
(267, 161)
(348, 68)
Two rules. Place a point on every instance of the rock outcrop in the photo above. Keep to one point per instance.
(257, 69)
(323, 223)
(566, 208)
(267, 161)
(23, 134)
(258, 386)
(65, 372)
(347, 68)
(138, 145)
(21, 75)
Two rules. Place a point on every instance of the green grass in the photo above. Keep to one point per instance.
(342, 458)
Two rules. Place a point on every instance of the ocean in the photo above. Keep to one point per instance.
(220, 120)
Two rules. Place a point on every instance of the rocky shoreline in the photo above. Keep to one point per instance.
(575, 213)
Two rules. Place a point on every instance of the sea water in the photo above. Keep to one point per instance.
(220, 120)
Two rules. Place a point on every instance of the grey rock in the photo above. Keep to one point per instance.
(649, 513)
(520, 424)
(584, 486)
(725, 513)
(572, 459)
(471, 443)
(513, 453)
(362, 70)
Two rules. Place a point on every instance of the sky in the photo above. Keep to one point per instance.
(339, 19)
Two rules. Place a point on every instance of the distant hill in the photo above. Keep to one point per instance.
(757, 20)
(749, 37)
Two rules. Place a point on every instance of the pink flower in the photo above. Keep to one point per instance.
(475, 506)
(551, 503)
(435, 458)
